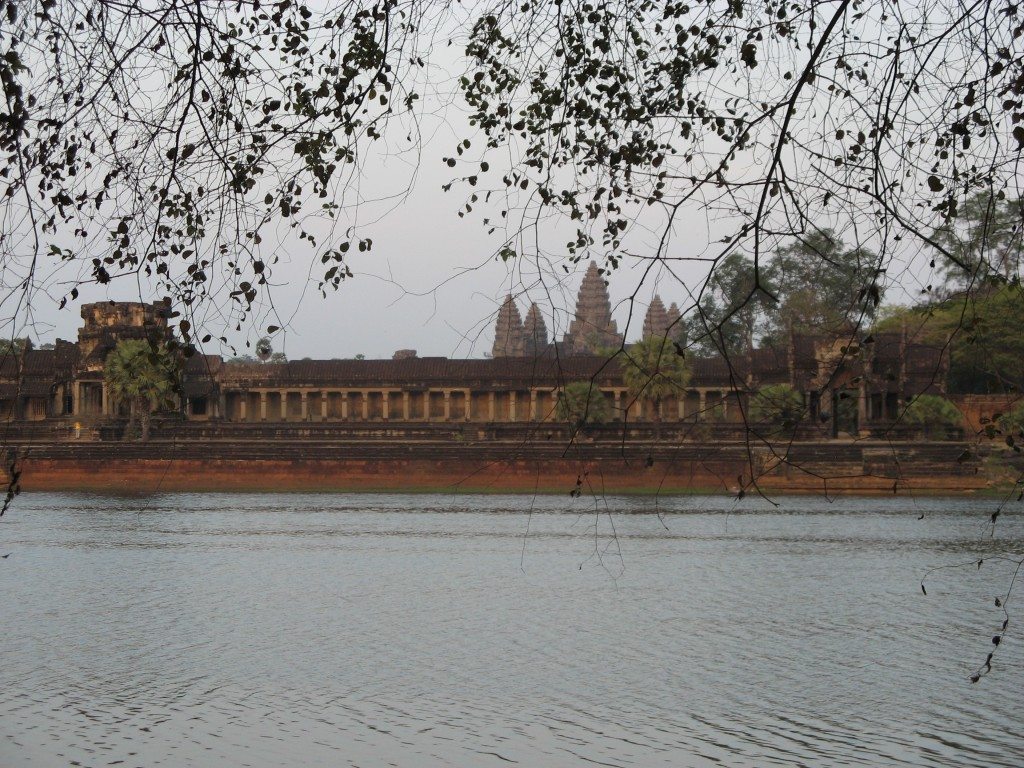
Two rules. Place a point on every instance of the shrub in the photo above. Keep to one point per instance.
(1012, 423)
(778, 404)
(581, 403)
(932, 414)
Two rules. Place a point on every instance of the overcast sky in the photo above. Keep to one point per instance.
(431, 282)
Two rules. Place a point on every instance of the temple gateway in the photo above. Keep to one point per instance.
(519, 383)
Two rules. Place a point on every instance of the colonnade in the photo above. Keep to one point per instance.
(444, 404)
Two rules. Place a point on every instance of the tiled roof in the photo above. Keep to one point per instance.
(421, 370)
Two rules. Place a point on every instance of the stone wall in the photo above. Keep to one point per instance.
(814, 468)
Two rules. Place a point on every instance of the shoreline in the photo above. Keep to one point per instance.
(866, 468)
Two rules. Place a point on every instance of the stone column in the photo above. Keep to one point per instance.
(104, 400)
(862, 408)
(512, 405)
(405, 405)
(344, 406)
(284, 405)
(725, 406)
(385, 407)
(263, 405)
(533, 405)
(242, 406)
(447, 405)
(467, 416)
(324, 395)
(702, 406)
(681, 409)
(364, 397)
(490, 405)
(304, 405)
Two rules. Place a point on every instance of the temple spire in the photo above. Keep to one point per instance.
(535, 332)
(656, 321)
(508, 331)
(593, 329)
(675, 327)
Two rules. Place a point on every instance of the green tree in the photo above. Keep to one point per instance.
(934, 415)
(581, 403)
(823, 287)
(982, 330)
(734, 307)
(1012, 423)
(983, 240)
(777, 404)
(14, 347)
(653, 370)
(142, 376)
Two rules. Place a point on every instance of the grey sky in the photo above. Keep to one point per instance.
(431, 282)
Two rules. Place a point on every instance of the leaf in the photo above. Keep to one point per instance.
(748, 53)
(935, 184)
(923, 590)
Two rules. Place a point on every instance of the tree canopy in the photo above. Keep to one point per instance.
(653, 370)
(777, 404)
(172, 141)
(982, 330)
(581, 403)
(986, 240)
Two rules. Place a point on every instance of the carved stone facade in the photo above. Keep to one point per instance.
(65, 384)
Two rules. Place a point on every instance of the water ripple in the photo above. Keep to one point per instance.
(254, 630)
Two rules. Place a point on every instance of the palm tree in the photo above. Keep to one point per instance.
(141, 375)
(653, 369)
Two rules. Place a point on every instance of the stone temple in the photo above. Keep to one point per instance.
(519, 384)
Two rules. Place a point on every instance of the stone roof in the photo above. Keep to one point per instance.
(420, 371)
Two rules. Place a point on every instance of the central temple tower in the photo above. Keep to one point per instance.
(592, 330)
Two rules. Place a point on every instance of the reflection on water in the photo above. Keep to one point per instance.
(202, 630)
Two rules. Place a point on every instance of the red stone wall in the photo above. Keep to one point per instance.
(852, 469)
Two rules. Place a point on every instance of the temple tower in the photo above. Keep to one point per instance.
(535, 332)
(108, 322)
(676, 329)
(593, 329)
(508, 331)
(656, 320)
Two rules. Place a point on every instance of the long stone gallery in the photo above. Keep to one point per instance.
(493, 423)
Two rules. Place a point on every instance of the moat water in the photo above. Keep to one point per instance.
(293, 630)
